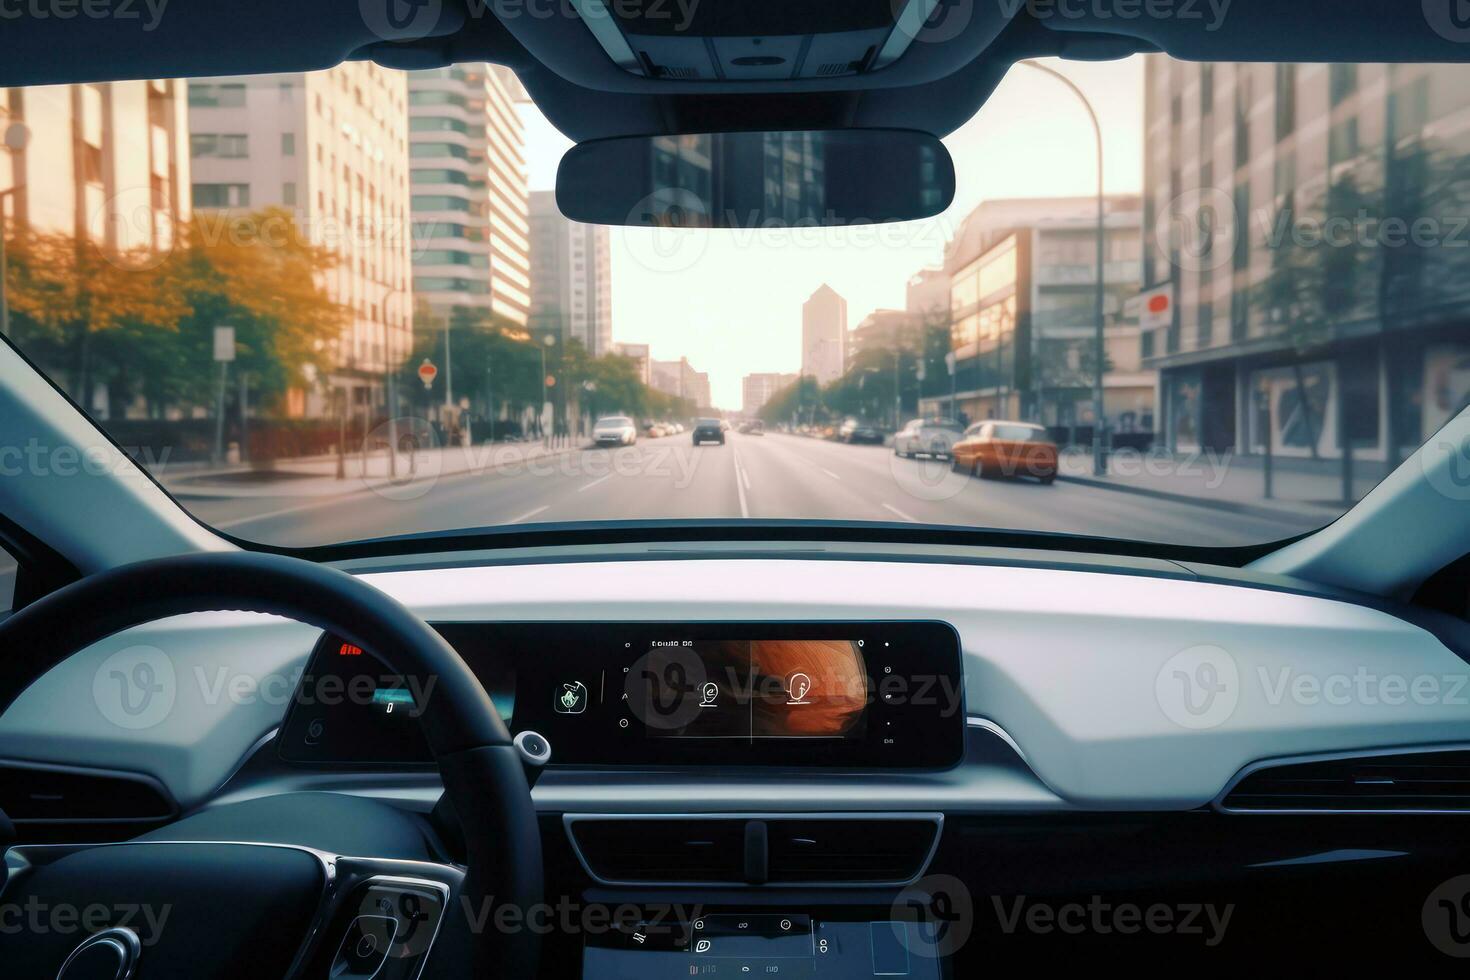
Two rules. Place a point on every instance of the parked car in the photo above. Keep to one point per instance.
(856, 430)
(927, 437)
(708, 430)
(654, 430)
(755, 428)
(615, 430)
(1006, 448)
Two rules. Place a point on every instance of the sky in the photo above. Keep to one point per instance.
(730, 300)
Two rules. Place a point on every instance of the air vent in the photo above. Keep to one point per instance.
(647, 851)
(676, 71)
(1416, 781)
(807, 850)
(835, 68)
(38, 793)
(861, 849)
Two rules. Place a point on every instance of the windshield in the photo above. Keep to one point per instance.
(342, 305)
(1018, 433)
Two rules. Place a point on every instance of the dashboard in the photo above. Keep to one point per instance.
(800, 751)
(874, 695)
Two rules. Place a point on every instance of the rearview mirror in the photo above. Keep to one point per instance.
(756, 180)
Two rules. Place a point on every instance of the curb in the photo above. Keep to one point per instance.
(1234, 506)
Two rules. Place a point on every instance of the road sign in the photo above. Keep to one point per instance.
(1154, 308)
(224, 344)
(427, 373)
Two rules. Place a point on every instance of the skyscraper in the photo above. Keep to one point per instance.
(332, 147)
(571, 276)
(757, 389)
(824, 335)
(467, 149)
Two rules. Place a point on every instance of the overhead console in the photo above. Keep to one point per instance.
(876, 695)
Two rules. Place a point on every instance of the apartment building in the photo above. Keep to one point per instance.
(571, 276)
(332, 147)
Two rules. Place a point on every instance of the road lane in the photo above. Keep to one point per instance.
(771, 476)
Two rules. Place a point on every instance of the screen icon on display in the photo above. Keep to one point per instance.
(709, 694)
(571, 699)
(798, 686)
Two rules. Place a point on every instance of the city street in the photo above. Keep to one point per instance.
(772, 476)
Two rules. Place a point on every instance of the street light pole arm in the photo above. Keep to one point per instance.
(1099, 462)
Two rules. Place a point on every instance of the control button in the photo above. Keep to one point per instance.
(622, 723)
(798, 686)
(709, 694)
(571, 699)
(365, 947)
(535, 750)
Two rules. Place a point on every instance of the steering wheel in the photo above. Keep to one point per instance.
(481, 770)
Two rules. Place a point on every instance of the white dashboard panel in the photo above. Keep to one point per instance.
(1123, 691)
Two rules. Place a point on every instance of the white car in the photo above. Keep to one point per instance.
(615, 430)
(927, 437)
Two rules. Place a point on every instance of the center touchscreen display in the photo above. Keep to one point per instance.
(879, 694)
(750, 689)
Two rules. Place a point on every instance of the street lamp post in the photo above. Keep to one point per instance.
(1099, 461)
(17, 134)
(547, 341)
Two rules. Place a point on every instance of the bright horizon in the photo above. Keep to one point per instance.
(730, 301)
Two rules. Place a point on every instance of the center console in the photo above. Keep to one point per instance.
(766, 943)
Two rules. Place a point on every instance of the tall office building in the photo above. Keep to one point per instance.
(1271, 323)
(824, 335)
(471, 231)
(107, 162)
(571, 276)
(332, 147)
(757, 389)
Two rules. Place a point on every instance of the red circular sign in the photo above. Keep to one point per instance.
(1158, 304)
(428, 372)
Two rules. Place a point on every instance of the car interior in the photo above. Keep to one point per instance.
(725, 742)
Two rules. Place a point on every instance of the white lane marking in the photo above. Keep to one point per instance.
(745, 475)
(829, 473)
(894, 510)
(740, 483)
(594, 483)
(315, 505)
(529, 514)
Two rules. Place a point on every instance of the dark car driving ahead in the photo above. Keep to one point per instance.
(708, 430)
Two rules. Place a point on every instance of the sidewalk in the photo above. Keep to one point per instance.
(1300, 487)
(316, 476)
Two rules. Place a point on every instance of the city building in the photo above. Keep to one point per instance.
(881, 330)
(824, 335)
(107, 162)
(470, 210)
(1022, 282)
(1269, 326)
(332, 147)
(641, 356)
(757, 389)
(678, 378)
(926, 295)
(571, 276)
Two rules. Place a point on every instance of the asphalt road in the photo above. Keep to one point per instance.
(771, 476)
